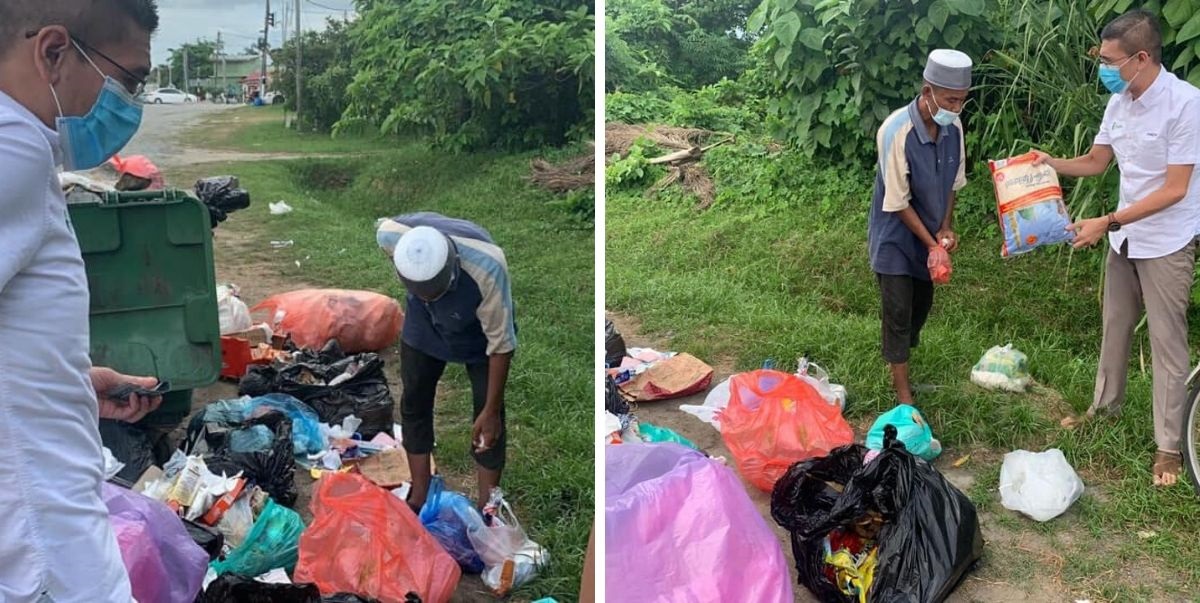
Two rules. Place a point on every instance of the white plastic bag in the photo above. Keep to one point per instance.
(817, 377)
(511, 559)
(716, 401)
(111, 465)
(232, 312)
(279, 209)
(1041, 485)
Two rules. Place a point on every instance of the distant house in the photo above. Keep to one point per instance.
(253, 83)
(231, 74)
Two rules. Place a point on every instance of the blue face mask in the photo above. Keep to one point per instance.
(941, 117)
(88, 141)
(1110, 76)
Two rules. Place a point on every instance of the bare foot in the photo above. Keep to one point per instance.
(1073, 421)
(1167, 467)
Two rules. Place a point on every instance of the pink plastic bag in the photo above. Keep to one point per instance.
(680, 527)
(163, 562)
(775, 420)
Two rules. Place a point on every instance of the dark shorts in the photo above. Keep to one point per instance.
(420, 374)
(906, 305)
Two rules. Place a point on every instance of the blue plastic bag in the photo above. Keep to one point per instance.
(449, 516)
(912, 431)
(306, 425)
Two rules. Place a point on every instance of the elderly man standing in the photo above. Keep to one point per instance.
(920, 168)
(69, 72)
(1152, 128)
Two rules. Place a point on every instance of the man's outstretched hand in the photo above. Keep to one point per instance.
(131, 409)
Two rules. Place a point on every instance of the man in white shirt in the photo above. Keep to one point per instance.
(1152, 128)
(68, 71)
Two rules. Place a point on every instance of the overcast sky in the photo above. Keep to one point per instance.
(239, 21)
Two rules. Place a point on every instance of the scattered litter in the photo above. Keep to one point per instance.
(674, 377)
(923, 532)
(511, 558)
(349, 425)
(1002, 368)
(371, 528)
(272, 543)
(273, 468)
(232, 313)
(279, 209)
(819, 378)
(360, 321)
(1146, 534)
(614, 346)
(661, 500)
(111, 465)
(961, 461)
(297, 263)
(612, 428)
(655, 434)
(388, 469)
(282, 244)
(715, 402)
(1030, 204)
(773, 420)
(913, 431)
(1042, 485)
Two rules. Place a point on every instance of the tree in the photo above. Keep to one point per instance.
(690, 43)
(328, 72)
(201, 55)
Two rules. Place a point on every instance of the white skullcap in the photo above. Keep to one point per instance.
(949, 69)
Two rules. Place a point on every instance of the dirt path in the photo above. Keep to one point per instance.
(1018, 565)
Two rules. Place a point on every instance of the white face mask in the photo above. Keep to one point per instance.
(941, 117)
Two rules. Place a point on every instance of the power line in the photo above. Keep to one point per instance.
(336, 10)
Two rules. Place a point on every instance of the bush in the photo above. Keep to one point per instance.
(327, 57)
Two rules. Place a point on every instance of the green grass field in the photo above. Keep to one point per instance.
(779, 268)
(550, 473)
(260, 130)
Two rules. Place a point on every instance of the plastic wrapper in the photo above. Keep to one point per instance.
(1042, 485)
(1029, 202)
(272, 543)
(774, 420)
(510, 558)
(656, 435)
(449, 516)
(237, 522)
(680, 527)
(364, 540)
(911, 428)
(715, 402)
(926, 530)
(272, 469)
(1002, 368)
(939, 265)
(360, 321)
(163, 562)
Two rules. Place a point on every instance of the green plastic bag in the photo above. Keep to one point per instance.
(1002, 368)
(911, 429)
(273, 542)
(655, 434)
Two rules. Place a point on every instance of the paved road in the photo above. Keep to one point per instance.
(161, 137)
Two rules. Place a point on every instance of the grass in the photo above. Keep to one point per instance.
(259, 130)
(549, 477)
(778, 268)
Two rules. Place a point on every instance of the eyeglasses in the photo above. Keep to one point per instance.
(134, 84)
(1117, 62)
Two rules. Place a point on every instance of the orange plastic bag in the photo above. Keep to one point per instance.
(360, 321)
(939, 265)
(775, 420)
(364, 540)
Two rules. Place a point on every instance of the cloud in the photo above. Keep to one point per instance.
(239, 21)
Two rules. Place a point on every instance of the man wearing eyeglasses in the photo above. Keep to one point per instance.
(459, 310)
(68, 73)
(1152, 127)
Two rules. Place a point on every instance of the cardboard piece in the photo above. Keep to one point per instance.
(675, 377)
(388, 469)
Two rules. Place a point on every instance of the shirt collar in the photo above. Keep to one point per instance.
(51, 136)
(1156, 87)
(914, 113)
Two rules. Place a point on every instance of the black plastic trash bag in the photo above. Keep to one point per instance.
(614, 346)
(231, 588)
(258, 381)
(930, 536)
(222, 195)
(365, 395)
(350, 598)
(613, 401)
(272, 469)
(207, 538)
(129, 444)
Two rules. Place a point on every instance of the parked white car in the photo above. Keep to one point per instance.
(273, 98)
(168, 96)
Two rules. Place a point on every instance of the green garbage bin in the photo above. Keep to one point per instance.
(149, 258)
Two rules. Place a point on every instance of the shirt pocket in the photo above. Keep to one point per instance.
(1152, 148)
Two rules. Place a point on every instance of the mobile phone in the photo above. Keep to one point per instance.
(123, 391)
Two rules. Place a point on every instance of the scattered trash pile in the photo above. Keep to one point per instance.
(867, 523)
(885, 528)
(230, 488)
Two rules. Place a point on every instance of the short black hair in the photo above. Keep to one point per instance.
(1137, 30)
(96, 22)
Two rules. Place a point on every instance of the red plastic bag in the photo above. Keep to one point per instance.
(775, 420)
(360, 321)
(939, 265)
(364, 540)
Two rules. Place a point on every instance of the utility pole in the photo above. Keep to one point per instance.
(186, 51)
(299, 63)
(262, 82)
(170, 75)
(221, 56)
(286, 15)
